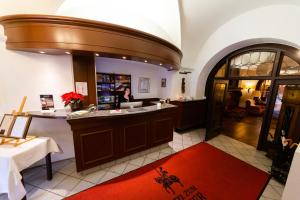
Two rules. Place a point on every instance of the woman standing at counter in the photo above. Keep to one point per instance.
(126, 96)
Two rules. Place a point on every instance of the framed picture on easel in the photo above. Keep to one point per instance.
(5, 124)
(20, 127)
(14, 126)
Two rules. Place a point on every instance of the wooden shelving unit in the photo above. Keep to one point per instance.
(109, 87)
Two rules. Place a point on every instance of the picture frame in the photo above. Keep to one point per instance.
(144, 85)
(163, 82)
(6, 124)
(15, 126)
(47, 102)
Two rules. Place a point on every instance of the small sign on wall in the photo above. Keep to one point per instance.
(81, 88)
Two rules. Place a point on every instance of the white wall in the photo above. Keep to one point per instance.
(30, 74)
(160, 18)
(276, 24)
(136, 70)
(173, 89)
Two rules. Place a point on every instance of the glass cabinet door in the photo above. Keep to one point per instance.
(282, 115)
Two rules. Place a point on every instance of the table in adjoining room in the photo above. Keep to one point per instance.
(15, 159)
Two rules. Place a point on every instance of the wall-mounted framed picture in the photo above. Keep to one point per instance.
(144, 85)
(163, 82)
(15, 126)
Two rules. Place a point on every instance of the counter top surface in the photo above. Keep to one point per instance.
(63, 114)
(122, 112)
(59, 113)
(191, 100)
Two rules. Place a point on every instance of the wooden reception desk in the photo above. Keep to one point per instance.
(101, 136)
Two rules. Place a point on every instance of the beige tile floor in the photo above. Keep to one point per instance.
(66, 181)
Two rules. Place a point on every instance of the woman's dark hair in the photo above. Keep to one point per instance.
(126, 89)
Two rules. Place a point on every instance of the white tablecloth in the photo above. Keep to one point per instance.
(14, 159)
(292, 186)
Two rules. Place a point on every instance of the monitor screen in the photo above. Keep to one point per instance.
(131, 104)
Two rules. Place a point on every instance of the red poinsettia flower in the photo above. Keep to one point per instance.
(72, 97)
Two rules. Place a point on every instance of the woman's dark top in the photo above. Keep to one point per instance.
(123, 99)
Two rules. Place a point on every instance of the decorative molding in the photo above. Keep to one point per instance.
(57, 34)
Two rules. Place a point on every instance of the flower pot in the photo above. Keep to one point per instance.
(76, 106)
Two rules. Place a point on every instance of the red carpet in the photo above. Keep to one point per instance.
(199, 172)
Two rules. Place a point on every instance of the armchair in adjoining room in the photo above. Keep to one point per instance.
(253, 109)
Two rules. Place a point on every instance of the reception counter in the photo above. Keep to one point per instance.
(103, 136)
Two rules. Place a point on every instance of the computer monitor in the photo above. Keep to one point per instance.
(134, 104)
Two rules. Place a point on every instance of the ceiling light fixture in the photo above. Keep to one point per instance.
(96, 54)
(67, 52)
(145, 61)
(124, 57)
(160, 64)
(42, 52)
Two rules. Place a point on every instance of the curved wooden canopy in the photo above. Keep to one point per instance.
(57, 34)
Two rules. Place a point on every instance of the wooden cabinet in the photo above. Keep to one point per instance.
(101, 139)
(161, 128)
(190, 114)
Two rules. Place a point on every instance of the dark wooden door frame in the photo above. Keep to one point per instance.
(211, 131)
(269, 113)
(276, 80)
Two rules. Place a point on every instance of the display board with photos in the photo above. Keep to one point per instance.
(14, 126)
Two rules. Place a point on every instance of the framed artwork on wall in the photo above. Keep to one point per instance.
(144, 85)
(163, 82)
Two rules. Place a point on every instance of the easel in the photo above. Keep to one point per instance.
(8, 139)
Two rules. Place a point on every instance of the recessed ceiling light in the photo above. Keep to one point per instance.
(96, 54)
(145, 61)
(67, 52)
(42, 52)
(160, 64)
(124, 57)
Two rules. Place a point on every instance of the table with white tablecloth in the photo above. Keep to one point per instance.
(15, 159)
(291, 189)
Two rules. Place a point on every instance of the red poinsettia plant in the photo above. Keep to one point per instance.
(72, 98)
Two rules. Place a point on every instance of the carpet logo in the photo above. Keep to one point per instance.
(167, 180)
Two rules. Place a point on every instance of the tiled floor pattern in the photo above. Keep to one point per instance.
(66, 181)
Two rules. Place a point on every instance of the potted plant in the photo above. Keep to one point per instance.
(74, 100)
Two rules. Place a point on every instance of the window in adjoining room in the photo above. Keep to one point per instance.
(257, 63)
(289, 67)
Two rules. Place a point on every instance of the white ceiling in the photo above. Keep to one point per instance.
(9, 7)
(199, 18)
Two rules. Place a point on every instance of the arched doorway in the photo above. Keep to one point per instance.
(274, 73)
